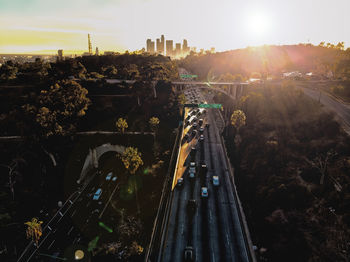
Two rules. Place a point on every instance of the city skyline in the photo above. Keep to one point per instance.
(39, 27)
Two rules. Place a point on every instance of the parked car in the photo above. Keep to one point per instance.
(204, 192)
(201, 130)
(114, 178)
(97, 194)
(201, 138)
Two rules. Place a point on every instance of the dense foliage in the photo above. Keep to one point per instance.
(270, 61)
(292, 169)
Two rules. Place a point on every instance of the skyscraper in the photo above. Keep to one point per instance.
(185, 48)
(162, 43)
(150, 46)
(159, 46)
(177, 49)
(169, 47)
(60, 55)
(89, 45)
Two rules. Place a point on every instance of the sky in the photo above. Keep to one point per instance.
(44, 26)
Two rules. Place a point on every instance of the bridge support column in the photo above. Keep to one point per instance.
(234, 91)
(154, 83)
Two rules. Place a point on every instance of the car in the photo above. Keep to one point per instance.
(114, 178)
(200, 121)
(195, 125)
(194, 132)
(201, 138)
(204, 192)
(216, 181)
(180, 182)
(109, 176)
(192, 168)
(192, 174)
(188, 254)
(97, 194)
(201, 130)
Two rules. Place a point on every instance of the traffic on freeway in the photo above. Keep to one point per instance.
(203, 221)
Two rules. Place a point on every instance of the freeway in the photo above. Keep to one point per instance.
(342, 110)
(213, 229)
(76, 224)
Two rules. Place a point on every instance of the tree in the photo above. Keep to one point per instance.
(8, 71)
(121, 125)
(131, 159)
(58, 108)
(110, 71)
(154, 122)
(238, 119)
(34, 230)
(321, 162)
(181, 100)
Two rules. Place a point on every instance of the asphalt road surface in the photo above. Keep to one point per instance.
(214, 230)
(342, 110)
(76, 224)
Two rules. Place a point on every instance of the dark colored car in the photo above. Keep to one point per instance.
(189, 254)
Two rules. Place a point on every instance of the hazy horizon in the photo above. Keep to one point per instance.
(37, 26)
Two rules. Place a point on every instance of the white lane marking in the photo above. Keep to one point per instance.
(53, 241)
(74, 212)
(70, 230)
(60, 214)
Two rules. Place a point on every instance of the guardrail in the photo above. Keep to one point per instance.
(163, 210)
(242, 219)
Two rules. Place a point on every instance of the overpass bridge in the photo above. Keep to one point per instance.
(232, 89)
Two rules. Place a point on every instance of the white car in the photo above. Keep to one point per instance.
(216, 181)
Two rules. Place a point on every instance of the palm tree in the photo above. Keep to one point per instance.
(34, 230)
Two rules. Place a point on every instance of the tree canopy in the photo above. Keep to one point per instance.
(58, 108)
(121, 125)
(131, 159)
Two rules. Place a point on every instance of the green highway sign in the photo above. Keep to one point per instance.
(204, 105)
(209, 105)
(188, 76)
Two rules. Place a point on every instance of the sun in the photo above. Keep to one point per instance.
(258, 24)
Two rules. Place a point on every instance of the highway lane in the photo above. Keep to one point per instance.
(79, 224)
(342, 110)
(237, 240)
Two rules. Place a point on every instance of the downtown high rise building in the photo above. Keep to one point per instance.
(166, 47)
(169, 47)
(150, 46)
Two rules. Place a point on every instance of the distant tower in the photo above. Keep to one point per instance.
(89, 43)
(97, 52)
(60, 55)
(162, 44)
